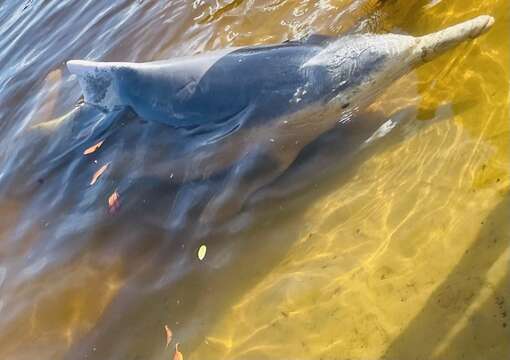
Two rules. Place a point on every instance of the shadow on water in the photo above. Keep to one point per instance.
(156, 235)
(448, 327)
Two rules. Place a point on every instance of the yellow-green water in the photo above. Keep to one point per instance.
(409, 259)
(402, 253)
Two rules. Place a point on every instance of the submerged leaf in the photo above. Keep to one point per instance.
(98, 173)
(168, 332)
(93, 148)
(114, 203)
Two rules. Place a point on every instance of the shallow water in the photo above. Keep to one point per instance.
(395, 249)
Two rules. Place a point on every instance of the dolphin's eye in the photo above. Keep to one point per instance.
(345, 106)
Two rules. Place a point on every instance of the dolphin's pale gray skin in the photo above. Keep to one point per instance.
(261, 104)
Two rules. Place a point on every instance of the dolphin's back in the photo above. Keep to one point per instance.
(267, 82)
(252, 83)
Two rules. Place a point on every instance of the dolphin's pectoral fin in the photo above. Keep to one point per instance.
(251, 174)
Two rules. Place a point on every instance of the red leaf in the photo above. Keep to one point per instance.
(168, 335)
(98, 173)
(177, 354)
(114, 203)
(93, 148)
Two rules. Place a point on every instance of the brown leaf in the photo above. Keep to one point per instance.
(98, 173)
(177, 354)
(114, 203)
(93, 148)
(168, 335)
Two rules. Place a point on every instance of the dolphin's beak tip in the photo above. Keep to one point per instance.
(489, 20)
(481, 25)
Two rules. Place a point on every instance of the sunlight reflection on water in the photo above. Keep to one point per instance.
(397, 249)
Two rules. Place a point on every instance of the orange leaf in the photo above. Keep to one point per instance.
(114, 203)
(168, 335)
(98, 173)
(93, 148)
(177, 354)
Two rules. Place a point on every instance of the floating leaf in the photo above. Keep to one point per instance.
(114, 203)
(202, 250)
(93, 148)
(98, 173)
(177, 354)
(168, 335)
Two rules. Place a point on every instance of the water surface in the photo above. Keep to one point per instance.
(392, 249)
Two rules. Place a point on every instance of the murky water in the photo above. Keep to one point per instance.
(395, 249)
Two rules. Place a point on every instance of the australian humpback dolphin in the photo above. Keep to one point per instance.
(257, 107)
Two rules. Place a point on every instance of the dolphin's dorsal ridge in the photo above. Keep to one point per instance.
(311, 39)
(316, 39)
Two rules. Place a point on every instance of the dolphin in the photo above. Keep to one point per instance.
(255, 108)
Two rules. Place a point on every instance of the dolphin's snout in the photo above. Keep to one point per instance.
(432, 45)
(480, 25)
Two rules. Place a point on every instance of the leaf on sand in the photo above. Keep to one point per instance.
(168, 335)
(202, 250)
(114, 203)
(93, 148)
(98, 173)
(177, 354)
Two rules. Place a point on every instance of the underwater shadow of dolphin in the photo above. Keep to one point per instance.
(198, 294)
(193, 295)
